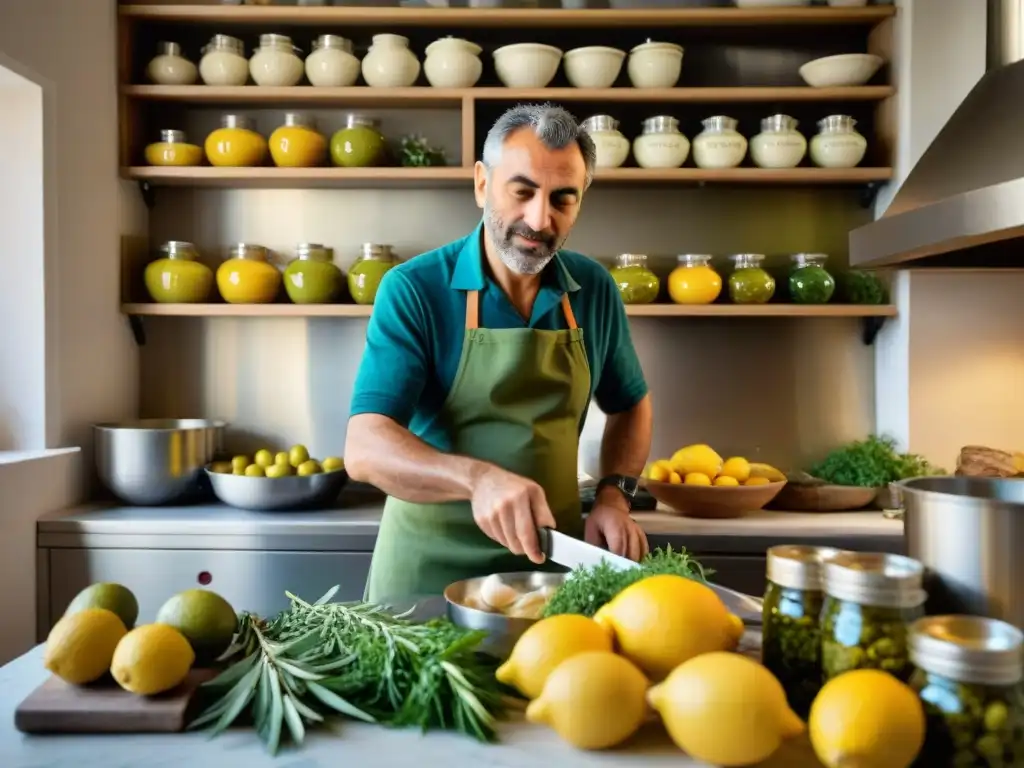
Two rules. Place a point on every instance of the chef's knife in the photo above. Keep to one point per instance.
(573, 553)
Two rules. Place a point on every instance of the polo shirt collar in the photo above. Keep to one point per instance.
(468, 274)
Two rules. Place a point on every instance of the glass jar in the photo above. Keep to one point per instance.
(810, 282)
(452, 62)
(312, 277)
(169, 67)
(235, 144)
(694, 280)
(173, 149)
(332, 64)
(779, 144)
(223, 62)
(791, 634)
(870, 597)
(370, 267)
(178, 277)
(837, 143)
(970, 678)
(661, 145)
(276, 63)
(297, 143)
(719, 145)
(389, 63)
(637, 283)
(612, 147)
(749, 282)
(248, 277)
(360, 144)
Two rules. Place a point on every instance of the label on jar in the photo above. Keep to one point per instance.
(723, 143)
(781, 142)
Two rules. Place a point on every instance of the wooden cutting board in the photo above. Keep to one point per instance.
(105, 707)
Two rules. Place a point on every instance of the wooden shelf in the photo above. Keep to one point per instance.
(311, 178)
(507, 17)
(644, 310)
(363, 96)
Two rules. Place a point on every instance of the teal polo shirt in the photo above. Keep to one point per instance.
(415, 334)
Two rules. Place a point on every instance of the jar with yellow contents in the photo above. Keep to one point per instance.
(236, 144)
(173, 149)
(694, 280)
(178, 277)
(248, 277)
(297, 143)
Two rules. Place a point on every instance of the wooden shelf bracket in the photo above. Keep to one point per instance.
(870, 326)
(148, 192)
(138, 329)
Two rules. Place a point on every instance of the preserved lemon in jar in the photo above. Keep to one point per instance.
(173, 149)
(694, 280)
(750, 283)
(178, 277)
(235, 144)
(297, 144)
(248, 277)
(636, 282)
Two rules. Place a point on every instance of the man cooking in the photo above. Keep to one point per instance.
(481, 360)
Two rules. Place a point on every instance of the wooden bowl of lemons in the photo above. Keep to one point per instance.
(697, 482)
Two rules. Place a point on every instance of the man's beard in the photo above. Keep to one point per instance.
(522, 260)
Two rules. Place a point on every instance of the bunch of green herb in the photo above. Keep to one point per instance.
(357, 660)
(871, 463)
(416, 152)
(863, 288)
(586, 589)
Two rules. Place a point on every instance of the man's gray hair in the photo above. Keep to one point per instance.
(554, 126)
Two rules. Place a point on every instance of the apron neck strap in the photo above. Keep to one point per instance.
(473, 311)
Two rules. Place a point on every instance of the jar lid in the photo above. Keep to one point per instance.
(876, 579)
(354, 121)
(837, 123)
(166, 48)
(778, 124)
(390, 38)
(179, 249)
(661, 124)
(272, 40)
(336, 42)
(248, 251)
(172, 136)
(654, 45)
(804, 259)
(236, 121)
(747, 258)
(798, 566)
(376, 251)
(968, 649)
(225, 43)
(461, 42)
(631, 259)
(313, 252)
(600, 123)
(694, 259)
(719, 123)
(299, 120)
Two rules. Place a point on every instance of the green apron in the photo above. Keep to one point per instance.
(517, 401)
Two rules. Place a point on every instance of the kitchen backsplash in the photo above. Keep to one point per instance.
(781, 389)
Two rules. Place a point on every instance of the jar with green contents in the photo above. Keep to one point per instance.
(969, 675)
(365, 276)
(750, 283)
(360, 144)
(312, 277)
(637, 283)
(178, 277)
(790, 633)
(870, 598)
(810, 282)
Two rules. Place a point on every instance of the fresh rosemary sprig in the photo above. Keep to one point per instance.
(587, 589)
(357, 660)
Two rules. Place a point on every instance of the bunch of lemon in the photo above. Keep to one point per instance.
(267, 463)
(701, 465)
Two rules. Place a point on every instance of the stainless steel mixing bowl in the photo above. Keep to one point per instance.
(278, 494)
(503, 631)
(156, 461)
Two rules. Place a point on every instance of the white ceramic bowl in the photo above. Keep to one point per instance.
(527, 65)
(595, 66)
(845, 69)
(655, 65)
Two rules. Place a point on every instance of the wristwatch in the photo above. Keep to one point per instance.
(626, 485)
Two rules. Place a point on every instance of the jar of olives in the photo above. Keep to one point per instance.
(750, 283)
(870, 597)
(810, 282)
(791, 636)
(969, 673)
(637, 283)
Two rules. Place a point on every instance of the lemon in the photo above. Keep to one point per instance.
(697, 478)
(737, 468)
(661, 621)
(660, 472)
(81, 644)
(298, 455)
(593, 700)
(757, 481)
(264, 458)
(279, 470)
(545, 645)
(205, 618)
(675, 479)
(767, 471)
(255, 470)
(221, 467)
(332, 464)
(239, 463)
(282, 458)
(307, 468)
(113, 597)
(726, 480)
(697, 458)
(868, 719)
(725, 709)
(152, 659)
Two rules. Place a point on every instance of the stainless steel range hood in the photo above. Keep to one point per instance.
(963, 203)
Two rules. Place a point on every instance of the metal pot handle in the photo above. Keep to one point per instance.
(894, 509)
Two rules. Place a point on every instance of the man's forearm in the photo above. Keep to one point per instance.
(381, 452)
(626, 444)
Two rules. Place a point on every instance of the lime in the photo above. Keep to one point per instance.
(205, 618)
(115, 598)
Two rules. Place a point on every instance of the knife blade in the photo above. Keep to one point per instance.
(573, 553)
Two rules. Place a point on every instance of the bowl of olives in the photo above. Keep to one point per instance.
(277, 481)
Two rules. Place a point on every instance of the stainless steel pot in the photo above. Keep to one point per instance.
(157, 461)
(968, 533)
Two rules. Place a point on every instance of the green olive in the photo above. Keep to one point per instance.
(791, 643)
(864, 637)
